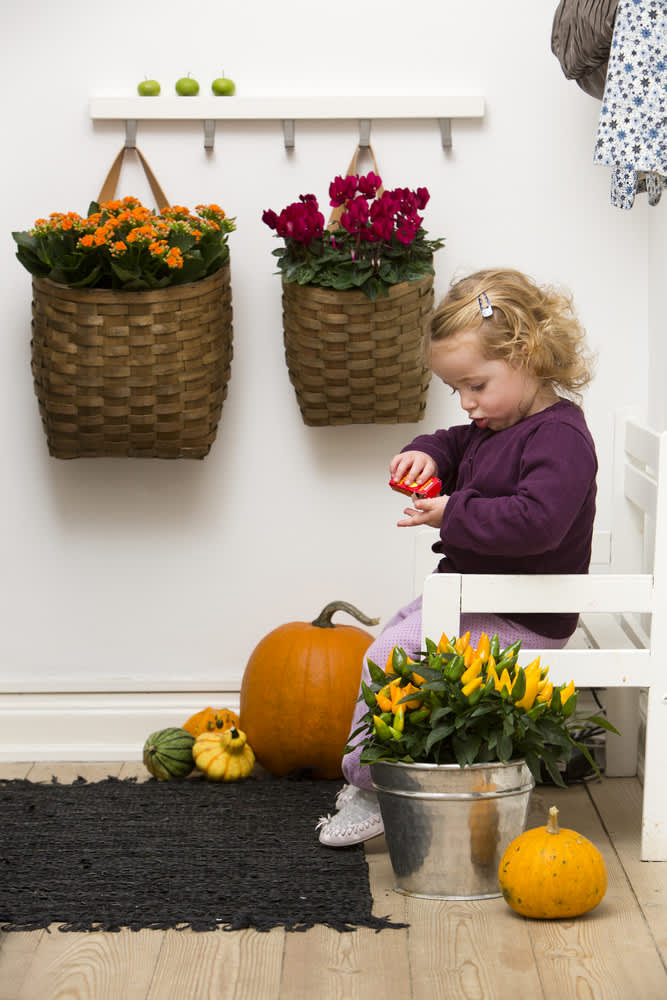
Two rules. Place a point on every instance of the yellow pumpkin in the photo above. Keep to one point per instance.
(223, 756)
(549, 872)
(211, 719)
(299, 689)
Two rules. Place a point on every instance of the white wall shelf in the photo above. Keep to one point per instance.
(210, 110)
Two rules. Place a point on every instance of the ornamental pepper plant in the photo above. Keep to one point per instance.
(122, 244)
(378, 242)
(455, 704)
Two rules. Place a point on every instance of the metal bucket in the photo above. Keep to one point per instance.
(447, 826)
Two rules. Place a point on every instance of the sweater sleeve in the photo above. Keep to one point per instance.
(446, 448)
(556, 470)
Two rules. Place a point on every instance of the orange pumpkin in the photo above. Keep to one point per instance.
(299, 690)
(211, 720)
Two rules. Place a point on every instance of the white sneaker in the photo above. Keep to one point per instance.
(357, 820)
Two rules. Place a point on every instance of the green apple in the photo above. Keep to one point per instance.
(187, 87)
(223, 87)
(148, 88)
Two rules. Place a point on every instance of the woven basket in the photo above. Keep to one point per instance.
(134, 374)
(353, 361)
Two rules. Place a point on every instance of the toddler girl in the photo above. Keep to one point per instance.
(518, 478)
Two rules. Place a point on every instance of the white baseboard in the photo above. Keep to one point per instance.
(97, 726)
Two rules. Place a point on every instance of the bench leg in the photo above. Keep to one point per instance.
(622, 706)
(654, 813)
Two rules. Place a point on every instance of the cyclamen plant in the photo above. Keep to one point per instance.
(377, 242)
(455, 704)
(122, 244)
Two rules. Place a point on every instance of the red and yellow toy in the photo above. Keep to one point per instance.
(431, 488)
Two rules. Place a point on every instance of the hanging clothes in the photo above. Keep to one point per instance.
(581, 39)
(631, 136)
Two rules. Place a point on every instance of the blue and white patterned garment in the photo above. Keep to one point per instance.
(631, 132)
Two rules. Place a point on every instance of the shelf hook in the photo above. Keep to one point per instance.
(446, 132)
(288, 132)
(365, 133)
(131, 133)
(209, 133)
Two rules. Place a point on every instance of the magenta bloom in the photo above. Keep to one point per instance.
(270, 218)
(370, 184)
(301, 221)
(342, 189)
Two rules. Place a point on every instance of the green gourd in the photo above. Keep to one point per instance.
(168, 753)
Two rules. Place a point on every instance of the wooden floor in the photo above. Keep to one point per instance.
(472, 950)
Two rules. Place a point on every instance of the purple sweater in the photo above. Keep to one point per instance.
(521, 500)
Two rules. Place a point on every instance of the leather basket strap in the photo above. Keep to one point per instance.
(334, 219)
(108, 190)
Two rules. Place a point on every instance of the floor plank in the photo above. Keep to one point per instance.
(217, 965)
(619, 803)
(73, 966)
(353, 965)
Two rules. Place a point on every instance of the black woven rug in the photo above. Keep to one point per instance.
(111, 854)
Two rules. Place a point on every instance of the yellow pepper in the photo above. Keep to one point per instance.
(504, 681)
(566, 693)
(383, 698)
(532, 672)
(483, 647)
(473, 685)
(443, 645)
(462, 642)
(474, 670)
(544, 690)
(491, 673)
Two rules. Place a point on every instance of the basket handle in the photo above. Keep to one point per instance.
(111, 181)
(334, 219)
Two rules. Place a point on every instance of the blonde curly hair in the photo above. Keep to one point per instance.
(532, 326)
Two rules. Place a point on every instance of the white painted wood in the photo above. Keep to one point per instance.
(623, 657)
(94, 726)
(558, 593)
(286, 107)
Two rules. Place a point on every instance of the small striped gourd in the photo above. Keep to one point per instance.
(168, 753)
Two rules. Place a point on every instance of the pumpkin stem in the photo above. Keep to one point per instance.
(323, 620)
(552, 825)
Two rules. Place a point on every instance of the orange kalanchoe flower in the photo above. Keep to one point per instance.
(157, 248)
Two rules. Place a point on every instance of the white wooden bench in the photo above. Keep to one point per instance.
(621, 643)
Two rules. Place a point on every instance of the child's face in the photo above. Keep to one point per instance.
(494, 393)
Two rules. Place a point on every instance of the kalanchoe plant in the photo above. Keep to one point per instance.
(378, 242)
(122, 244)
(456, 704)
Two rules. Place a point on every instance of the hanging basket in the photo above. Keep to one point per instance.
(353, 361)
(132, 374)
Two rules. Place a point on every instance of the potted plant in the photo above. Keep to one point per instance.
(357, 300)
(455, 740)
(132, 335)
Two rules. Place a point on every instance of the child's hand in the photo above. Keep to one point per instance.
(416, 465)
(424, 512)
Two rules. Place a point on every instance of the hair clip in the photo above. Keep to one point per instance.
(485, 306)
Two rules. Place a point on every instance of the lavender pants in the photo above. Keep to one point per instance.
(404, 630)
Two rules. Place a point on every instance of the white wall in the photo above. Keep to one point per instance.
(165, 570)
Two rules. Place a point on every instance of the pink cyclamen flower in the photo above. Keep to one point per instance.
(370, 184)
(342, 189)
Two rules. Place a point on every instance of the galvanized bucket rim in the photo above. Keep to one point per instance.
(453, 767)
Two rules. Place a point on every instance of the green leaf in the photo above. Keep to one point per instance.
(437, 734)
